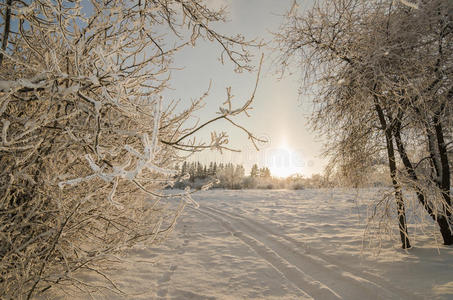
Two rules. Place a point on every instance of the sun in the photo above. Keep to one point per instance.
(284, 161)
(281, 172)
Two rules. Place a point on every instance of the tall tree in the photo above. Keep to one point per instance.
(382, 74)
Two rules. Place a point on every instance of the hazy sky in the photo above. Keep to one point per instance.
(279, 112)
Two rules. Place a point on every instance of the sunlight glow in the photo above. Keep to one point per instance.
(284, 161)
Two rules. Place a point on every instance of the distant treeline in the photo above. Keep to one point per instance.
(233, 176)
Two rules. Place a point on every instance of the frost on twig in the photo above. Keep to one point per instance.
(226, 112)
(142, 161)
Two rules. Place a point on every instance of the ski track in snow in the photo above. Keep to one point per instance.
(276, 245)
(314, 275)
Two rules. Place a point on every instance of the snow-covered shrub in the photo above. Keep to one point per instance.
(249, 182)
(87, 140)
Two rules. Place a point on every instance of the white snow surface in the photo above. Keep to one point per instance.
(256, 244)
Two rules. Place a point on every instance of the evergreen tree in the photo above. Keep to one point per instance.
(255, 171)
(214, 169)
(199, 171)
(184, 168)
(210, 171)
(192, 171)
(265, 172)
(177, 171)
(239, 172)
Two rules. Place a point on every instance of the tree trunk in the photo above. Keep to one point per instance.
(401, 209)
(444, 164)
(6, 28)
(440, 219)
(398, 193)
(443, 181)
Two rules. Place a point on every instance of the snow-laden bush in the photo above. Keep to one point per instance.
(87, 140)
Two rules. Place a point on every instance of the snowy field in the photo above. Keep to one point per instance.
(283, 245)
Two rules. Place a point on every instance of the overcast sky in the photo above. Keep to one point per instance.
(279, 112)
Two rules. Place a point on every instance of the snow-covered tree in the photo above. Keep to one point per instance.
(254, 172)
(87, 140)
(381, 72)
(264, 172)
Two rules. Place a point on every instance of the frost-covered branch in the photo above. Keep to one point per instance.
(218, 141)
